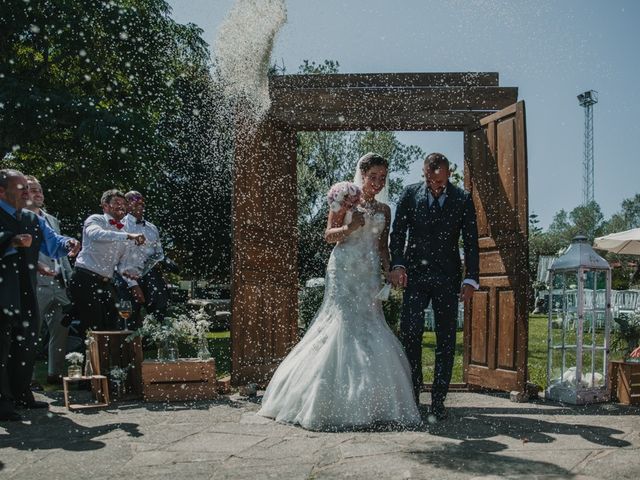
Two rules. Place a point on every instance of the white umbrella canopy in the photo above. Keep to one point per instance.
(625, 243)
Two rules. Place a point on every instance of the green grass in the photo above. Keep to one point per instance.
(220, 347)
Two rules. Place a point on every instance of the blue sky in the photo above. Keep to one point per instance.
(551, 49)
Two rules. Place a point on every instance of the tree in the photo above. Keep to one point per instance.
(325, 158)
(83, 86)
(96, 95)
(194, 185)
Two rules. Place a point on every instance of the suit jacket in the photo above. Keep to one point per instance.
(431, 251)
(66, 269)
(17, 274)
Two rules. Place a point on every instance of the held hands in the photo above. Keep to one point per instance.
(46, 271)
(138, 238)
(137, 293)
(73, 247)
(357, 221)
(466, 292)
(398, 277)
(22, 240)
(131, 275)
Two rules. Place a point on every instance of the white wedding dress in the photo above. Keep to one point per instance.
(349, 371)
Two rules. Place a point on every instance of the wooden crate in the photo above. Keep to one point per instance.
(625, 382)
(111, 349)
(99, 385)
(184, 379)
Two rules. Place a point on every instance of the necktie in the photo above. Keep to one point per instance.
(18, 215)
(141, 222)
(116, 223)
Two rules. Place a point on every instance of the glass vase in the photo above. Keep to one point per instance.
(172, 351)
(162, 351)
(117, 389)
(74, 371)
(203, 348)
(88, 367)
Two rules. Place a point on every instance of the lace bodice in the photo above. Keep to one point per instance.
(354, 265)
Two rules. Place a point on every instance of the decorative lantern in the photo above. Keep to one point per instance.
(579, 323)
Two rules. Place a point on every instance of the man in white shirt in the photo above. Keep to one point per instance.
(106, 247)
(155, 293)
(53, 278)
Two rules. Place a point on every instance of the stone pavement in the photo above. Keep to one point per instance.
(485, 437)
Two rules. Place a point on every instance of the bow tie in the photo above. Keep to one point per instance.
(141, 222)
(116, 223)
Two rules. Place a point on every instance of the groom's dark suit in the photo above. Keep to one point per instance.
(18, 309)
(431, 257)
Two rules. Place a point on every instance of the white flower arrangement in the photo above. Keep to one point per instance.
(339, 192)
(118, 374)
(74, 358)
(201, 323)
(183, 327)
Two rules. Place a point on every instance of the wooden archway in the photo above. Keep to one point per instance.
(265, 282)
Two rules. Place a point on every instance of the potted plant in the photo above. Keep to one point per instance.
(626, 335)
(75, 368)
(171, 330)
(624, 374)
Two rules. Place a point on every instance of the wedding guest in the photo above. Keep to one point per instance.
(106, 247)
(23, 235)
(152, 290)
(53, 278)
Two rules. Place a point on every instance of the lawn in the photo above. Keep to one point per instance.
(537, 353)
(220, 347)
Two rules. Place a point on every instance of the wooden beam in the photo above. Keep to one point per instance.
(437, 79)
(391, 100)
(379, 120)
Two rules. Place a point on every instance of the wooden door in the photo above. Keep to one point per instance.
(265, 245)
(496, 321)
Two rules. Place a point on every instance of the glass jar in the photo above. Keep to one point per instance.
(203, 348)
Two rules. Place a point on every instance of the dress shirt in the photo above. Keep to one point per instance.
(105, 249)
(60, 266)
(53, 245)
(441, 199)
(151, 252)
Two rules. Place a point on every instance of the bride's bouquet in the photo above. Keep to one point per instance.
(341, 191)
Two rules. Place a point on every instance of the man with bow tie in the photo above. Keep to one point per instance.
(153, 292)
(107, 247)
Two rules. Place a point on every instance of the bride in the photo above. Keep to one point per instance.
(349, 370)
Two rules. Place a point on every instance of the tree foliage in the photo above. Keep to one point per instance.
(325, 158)
(586, 220)
(102, 94)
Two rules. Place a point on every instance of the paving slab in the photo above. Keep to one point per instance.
(485, 437)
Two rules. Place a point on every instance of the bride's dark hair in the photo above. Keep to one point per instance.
(371, 160)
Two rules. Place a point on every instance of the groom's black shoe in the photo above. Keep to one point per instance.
(438, 412)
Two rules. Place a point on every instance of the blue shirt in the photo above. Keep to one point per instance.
(53, 245)
(441, 198)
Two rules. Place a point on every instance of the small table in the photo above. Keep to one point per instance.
(111, 349)
(99, 386)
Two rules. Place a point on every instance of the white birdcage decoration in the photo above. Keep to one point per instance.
(579, 324)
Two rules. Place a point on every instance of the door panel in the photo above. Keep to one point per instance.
(496, 324)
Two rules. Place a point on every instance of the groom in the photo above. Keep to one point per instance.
(434, 214)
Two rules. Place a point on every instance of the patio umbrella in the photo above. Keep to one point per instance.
(626, 243)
